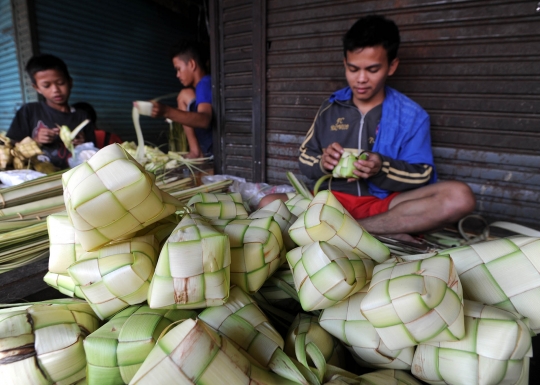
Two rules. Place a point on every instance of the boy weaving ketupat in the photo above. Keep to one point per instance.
(396, 192)
(40, 120)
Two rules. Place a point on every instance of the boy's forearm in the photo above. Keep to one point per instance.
(193, 119)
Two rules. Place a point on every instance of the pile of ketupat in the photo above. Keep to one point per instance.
(195, 294)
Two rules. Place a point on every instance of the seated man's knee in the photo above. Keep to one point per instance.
(460, 200)
(185, 97)
(270, 198)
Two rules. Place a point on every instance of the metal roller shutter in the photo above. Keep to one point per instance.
(10, 81)
(241, 82)
(117, 51)
(473, 65)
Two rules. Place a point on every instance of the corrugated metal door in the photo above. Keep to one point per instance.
(10, 81)
(473, 65)
(241, 77)
(117, 51)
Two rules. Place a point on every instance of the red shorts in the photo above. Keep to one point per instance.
(364, 206)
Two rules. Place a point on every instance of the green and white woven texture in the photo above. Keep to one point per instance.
(496, 350)
(257, 251)
(311, 345)
(241, 320)
(193, 269)
(64, 248)
(193, 353)
(413, 302)
(297, 204)
(325, 219)
(284, 218)
(64, 284)
(219, 205)
(116, 276)
(504, 272)
(325, 275)
(42, 344)
(111, 196)
(345, 166)
(117, 350)
(346, 322)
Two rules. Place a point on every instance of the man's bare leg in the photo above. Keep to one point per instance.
(426, 208)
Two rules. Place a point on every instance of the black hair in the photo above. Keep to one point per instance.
(372, 31)
(46, 62)
(88, 108)
(192, 49)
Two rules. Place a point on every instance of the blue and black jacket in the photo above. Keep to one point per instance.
(403, 142)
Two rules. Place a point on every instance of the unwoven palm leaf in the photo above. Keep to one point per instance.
(111, 196)
(346, 322)
(117, 350)
(379, 377)
(413, 302)
(193, 353)
(281, 214)
(256, 251)
(42, 344)
(325, 275)
(241, 320)
(504, 272)
(116, 276)
(326, 219)
(193, 269)
(496, 350)
(219, 205)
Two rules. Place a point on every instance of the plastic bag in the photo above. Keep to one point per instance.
(15, 177)
(252, 193)
(82, 153)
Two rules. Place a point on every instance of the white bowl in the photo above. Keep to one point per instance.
(144, 107)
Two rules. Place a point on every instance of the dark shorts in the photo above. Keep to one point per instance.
(364, 206)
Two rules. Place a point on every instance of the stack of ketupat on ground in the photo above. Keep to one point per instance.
(174, 294)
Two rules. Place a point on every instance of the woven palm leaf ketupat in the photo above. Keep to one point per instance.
(117, 350)
(64, 249)
(281, 214)
(325, 275)
(257, 251)
(413, 302)
(193, 269)
(219, 205)
(297, 204)
(43, 343)
(117, 275)
(193, 353)
(64, 284)
(241, 320)
(311, 345)
(346, 322)
(326, 219)
(345, 166)
(504, 272)
(496, 350)
(111, 196)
